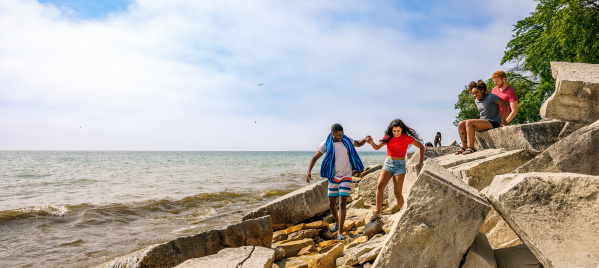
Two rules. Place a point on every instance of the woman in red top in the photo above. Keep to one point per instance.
(397, 138)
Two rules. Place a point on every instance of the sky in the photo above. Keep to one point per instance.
(188, 75)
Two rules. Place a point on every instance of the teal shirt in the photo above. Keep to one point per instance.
(488, 108)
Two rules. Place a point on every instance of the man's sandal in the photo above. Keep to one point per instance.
(469, 150)
(461, 151)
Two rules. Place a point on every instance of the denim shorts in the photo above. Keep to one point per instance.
(395, 167)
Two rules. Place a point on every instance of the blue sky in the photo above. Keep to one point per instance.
(185, 75)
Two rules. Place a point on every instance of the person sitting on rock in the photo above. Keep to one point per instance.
(397, 137)
(438, 139)
(506, 93)
(488, 107)
(340, 159)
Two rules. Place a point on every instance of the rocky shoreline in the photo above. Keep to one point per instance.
(527, 198)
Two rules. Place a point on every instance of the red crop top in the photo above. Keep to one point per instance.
(397, 147)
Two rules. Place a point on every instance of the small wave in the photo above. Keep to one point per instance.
(269, 193)
(39, 211)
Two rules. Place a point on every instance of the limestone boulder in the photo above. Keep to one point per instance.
(480, 254)
(431, 152)
(577, 153)
(498, 232)
(534, 136)
(453, 143)
(479, 173)
(554, 214)
(326, 259)
(442, 218)
(359, 253)
(517, 256)
(292, 248)
(296, 206)
(255, 232)
(412, 172)
(247, 256)
(369, 169)
(373, 228)
(367, 188)
(576, 95)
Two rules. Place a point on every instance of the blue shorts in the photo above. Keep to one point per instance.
(395, 167)
(340, 187)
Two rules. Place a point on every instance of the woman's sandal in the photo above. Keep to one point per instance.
(461, 151)
(374, 218)
(469, 150)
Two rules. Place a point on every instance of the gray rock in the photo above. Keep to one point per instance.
(255, 232)
(296, 206)
(242, 257)
(479, 173)
(516, 257)
(412, 172)
(367, 188)
(577, 153)
(554, 214)
(369, 169)
(535, 136)
(373, 228)
(498, 232)
(576, 95)
(442, 218)
(354, 255)
(480, 254)
(453, 143)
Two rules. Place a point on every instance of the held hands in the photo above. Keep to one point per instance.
(368, 139)
(504, 123)
(419, 165)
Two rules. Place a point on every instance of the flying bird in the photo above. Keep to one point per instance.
(260, 84)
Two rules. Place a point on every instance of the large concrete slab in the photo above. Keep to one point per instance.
(577, 153)
(554, 214)
(535, 136)
(254, 232)
(576, 95)
(242, 257)
(439, 224)
(296, 206)
(480, 254)
(480, 173)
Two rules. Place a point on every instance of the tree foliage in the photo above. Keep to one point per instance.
(558, 30)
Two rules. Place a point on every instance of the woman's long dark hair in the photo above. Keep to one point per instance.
(404, 130)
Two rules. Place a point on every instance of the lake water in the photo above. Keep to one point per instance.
(81, 209)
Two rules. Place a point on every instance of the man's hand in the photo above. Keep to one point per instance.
(504, 123)
(308, 177)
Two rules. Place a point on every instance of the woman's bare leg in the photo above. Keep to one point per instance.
(380, 190)
(462, 132)
(473, 125)
(397, 188)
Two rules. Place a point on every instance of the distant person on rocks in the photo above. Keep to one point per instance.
(507, 93)
(488, 107)
(340, 159)
(397, 137)
(438, 139)
(428, 144)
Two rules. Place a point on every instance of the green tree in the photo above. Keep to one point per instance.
(528, 108)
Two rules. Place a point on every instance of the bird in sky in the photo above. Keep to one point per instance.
(260, 84)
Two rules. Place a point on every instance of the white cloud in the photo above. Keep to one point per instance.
(184, 75)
